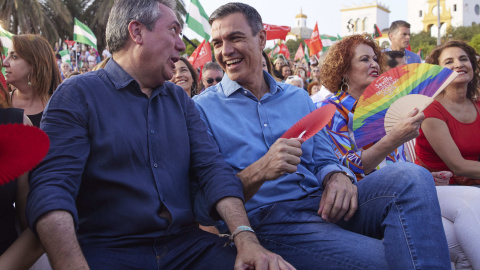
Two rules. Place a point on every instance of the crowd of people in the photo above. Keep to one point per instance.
(151, 160)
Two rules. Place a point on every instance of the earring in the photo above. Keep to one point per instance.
(345, 83)
(28, 78)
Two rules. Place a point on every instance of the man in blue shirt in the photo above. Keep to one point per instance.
(114, 190)
(301, 202)
(399, 35)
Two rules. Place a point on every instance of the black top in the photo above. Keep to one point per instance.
(34, 118)
(8, 233)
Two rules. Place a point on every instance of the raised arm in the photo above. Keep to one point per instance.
(437, 133)
(283, 157)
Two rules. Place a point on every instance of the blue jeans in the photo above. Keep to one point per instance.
(192, 249)
(397, 204)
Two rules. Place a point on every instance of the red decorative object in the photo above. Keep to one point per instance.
(311, 124)
(21, 149)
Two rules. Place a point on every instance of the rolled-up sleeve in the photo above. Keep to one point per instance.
(213, 178)
(55, 183)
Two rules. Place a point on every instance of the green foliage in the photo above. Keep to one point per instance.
(464, 33)
(475, 43)
(189, 47)
(292, 46)
(423, 41)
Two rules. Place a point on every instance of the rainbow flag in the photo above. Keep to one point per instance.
(369, 116)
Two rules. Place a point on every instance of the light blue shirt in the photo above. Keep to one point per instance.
(245, 128)
(410, 57)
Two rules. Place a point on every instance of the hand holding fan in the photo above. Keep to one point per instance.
(21, 148)
(422, 79)
(311, 124)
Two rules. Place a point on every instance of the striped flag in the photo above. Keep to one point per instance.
(197, 20)
(83, 34)
(376, 31)
(306, 53)
(65, 56)
(6, 38)
(327, 42)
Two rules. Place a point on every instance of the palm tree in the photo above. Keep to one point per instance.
(96, 17)
(35, 17)
(53, 19)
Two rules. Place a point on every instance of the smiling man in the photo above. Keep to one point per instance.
(212, 74)
(399, 35)
(114, 189)
(301, 202)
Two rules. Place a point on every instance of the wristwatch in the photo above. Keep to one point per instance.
(344, 173)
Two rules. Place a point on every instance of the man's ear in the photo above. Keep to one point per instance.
(262, 35)
(135, 30)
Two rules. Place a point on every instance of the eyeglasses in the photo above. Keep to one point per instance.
(84, 70)
(210, 80)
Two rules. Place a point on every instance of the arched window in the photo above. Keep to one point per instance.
(365, 24)
(357, 25)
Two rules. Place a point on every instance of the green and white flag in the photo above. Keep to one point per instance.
(6, 38)
(83, 34)
(65, 56)
(307, 59)
(197, 20)
(327, 42)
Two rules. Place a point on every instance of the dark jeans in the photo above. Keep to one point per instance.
(193, 249)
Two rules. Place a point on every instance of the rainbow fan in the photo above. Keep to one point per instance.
(423, 79)
(311, 123)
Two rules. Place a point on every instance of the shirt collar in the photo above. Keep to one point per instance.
(229, 87)
(121, 79)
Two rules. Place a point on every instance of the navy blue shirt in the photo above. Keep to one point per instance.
(116, 156)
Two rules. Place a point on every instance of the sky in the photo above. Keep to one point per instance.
(283, 12)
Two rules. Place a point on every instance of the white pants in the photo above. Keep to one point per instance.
(460, 207)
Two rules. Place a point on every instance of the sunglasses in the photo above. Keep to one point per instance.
(85, 70)
(210, 80)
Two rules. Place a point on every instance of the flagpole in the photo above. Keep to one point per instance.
(189, 41)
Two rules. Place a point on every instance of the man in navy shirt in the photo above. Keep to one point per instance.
(301, 202)
(114, 190)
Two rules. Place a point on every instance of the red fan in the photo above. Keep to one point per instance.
(21, 148)
(311, 124)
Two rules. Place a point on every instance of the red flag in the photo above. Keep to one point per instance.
(69, 42)
(284, 50)
(376, 31)
(315, 41)
(409, 48)
(276, 31)
(201, 55)
(300, 53)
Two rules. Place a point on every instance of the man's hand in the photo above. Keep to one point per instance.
(251, 255)
(339, 199)
(283, 157)
(407, 129)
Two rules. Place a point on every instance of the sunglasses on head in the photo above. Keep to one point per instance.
(210, 80)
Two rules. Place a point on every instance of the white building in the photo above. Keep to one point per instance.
(360, 18)
(422, 14)
(300, 29)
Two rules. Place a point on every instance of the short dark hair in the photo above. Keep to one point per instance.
(251, 14)
(397, 24)
(392, 57)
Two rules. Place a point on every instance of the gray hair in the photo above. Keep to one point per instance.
(397, 24)
(125, 11)
(211, 66)
(251, 14)
(294, 78)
